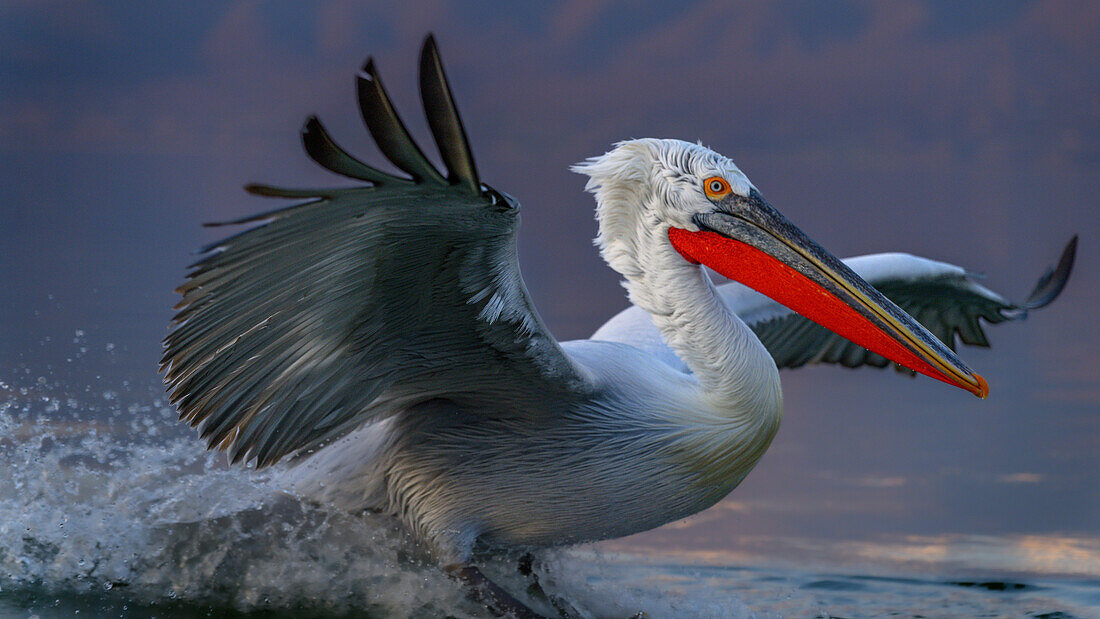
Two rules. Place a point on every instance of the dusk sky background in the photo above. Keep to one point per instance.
(963, 132)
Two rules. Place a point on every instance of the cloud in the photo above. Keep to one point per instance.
(880, 482)
(740, 67)
(1042, 554)
(1022, 478)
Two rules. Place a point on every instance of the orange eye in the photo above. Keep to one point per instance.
(716, 187)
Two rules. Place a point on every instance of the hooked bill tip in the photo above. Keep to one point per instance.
(982, 388)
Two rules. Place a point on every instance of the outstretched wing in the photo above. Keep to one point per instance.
(358, 303)
(946, 299)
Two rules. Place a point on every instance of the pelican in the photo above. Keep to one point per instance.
(381, 339)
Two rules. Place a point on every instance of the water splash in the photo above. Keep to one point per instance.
(112, 504)
(127, 507)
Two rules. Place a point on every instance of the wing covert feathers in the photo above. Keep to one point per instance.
(359, 303)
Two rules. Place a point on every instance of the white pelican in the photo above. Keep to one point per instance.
(382, 337)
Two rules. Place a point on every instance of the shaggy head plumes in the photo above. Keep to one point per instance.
(644, 186)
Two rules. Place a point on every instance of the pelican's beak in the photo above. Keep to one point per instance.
(750, 242)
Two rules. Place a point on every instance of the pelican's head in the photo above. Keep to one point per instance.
(644, 186)
(655, 197)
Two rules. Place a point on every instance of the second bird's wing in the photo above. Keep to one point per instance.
(360, 302)
(946, 299)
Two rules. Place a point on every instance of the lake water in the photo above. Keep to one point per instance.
(109, 507)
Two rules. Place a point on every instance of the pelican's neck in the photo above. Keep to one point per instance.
(734, 370)
(633, 198)
(721, 434)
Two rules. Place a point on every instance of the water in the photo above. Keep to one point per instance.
(109, 507)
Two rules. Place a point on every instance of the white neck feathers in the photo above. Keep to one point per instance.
(632, 194)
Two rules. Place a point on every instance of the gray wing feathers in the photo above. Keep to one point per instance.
(945, 299)
(446, 126)
(388, 131)
(357, 304)
(322, 149)
(1052, 282)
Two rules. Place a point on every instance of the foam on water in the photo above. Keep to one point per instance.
(110, 506)
(114, 507)
(163, 520)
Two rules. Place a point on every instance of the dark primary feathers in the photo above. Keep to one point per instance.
(360, 302)
(948, 302)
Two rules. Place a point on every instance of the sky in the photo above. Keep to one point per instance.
(963, 132)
